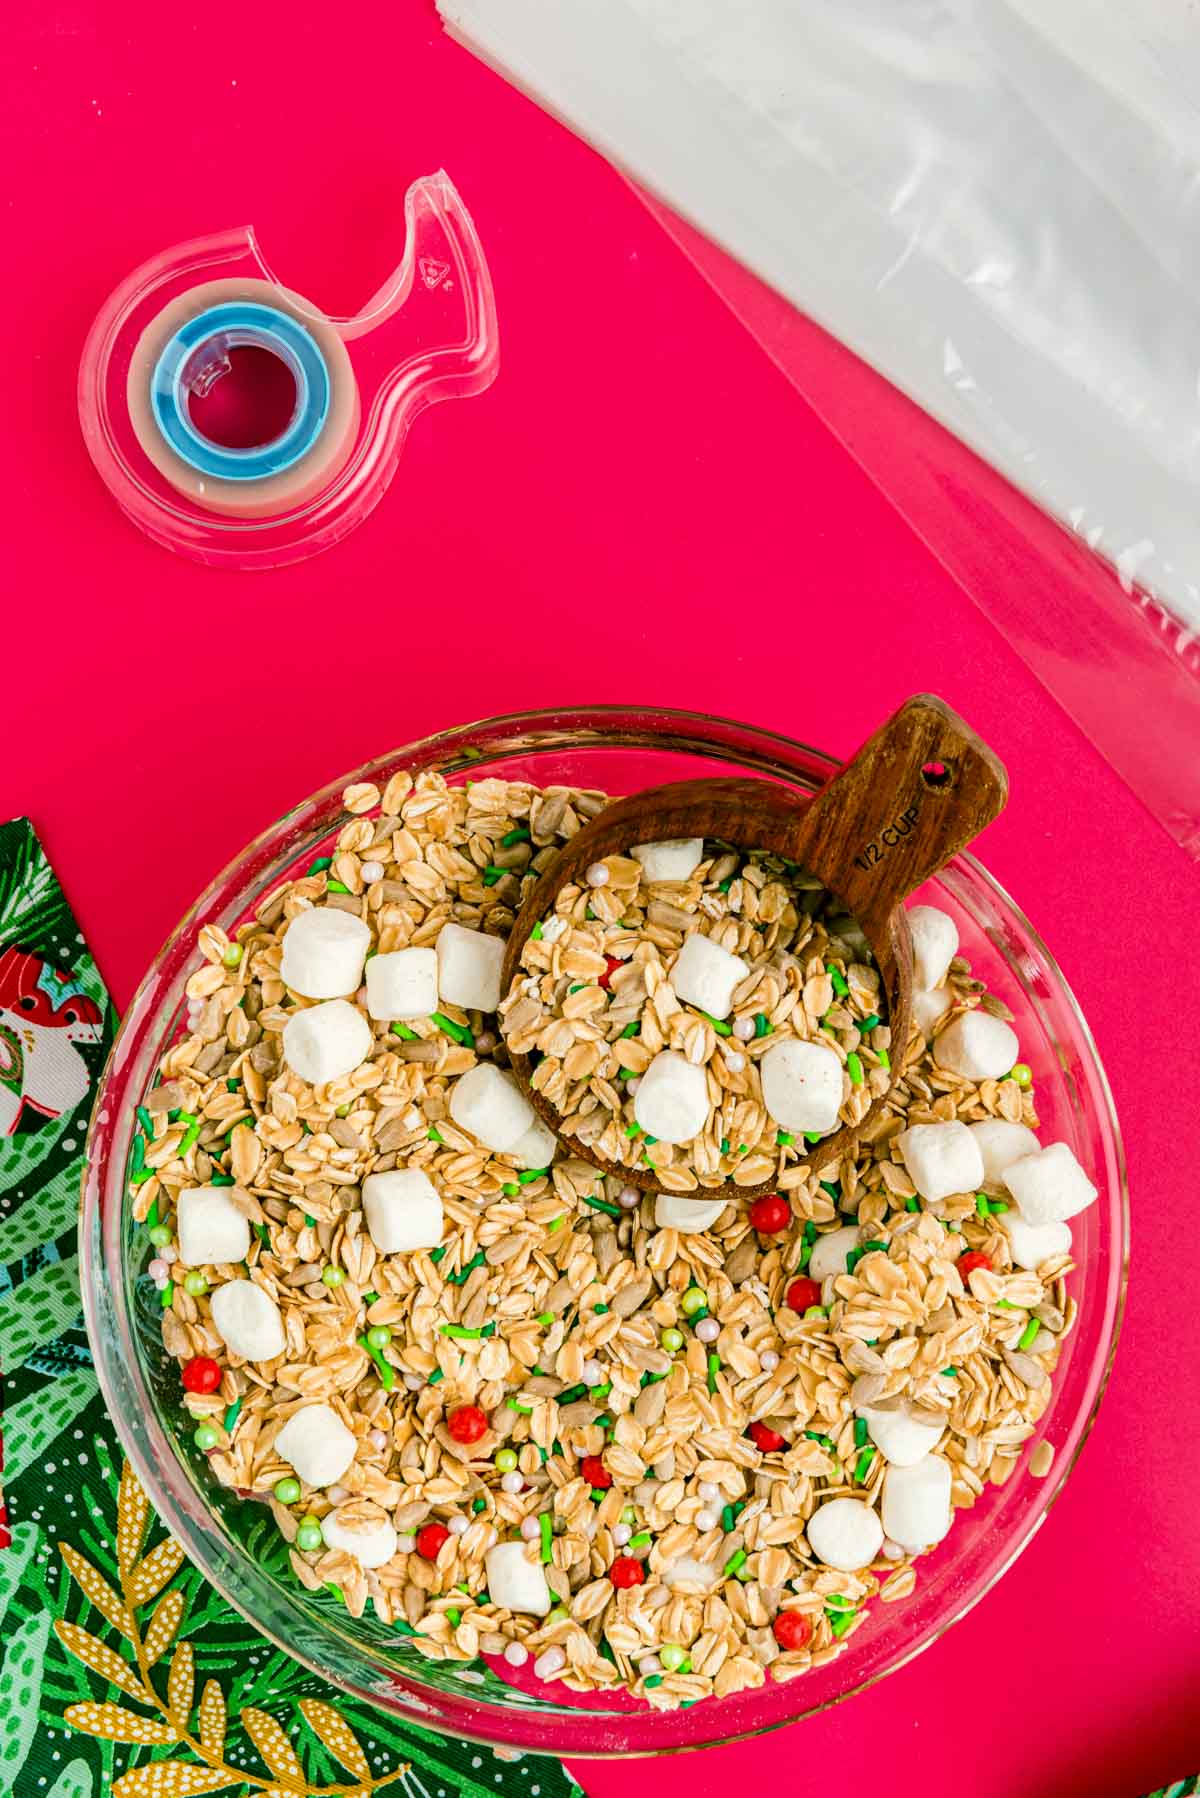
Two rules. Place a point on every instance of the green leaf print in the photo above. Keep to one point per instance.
(44, 1215)
(20, 1691)
(20, 1155)
(38, 1310)
(15, 1560)
(75, 1781)
(32, 904)
(31, 1426)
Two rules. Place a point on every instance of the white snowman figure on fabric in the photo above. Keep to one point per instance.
(44, 1014)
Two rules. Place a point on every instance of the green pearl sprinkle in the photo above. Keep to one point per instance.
(672, 1340)
(206, 1436)
(333, 1276)
(232, 955)
(629, 1516)
(1021, 1074)
(287, 1491)
(195, 1284)
(505, 1460)
(309, 1536)
(694, 1299)
(672, 1656)
(378, 1336)
(160, 1235)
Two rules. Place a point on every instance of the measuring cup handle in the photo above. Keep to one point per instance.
(917, 792)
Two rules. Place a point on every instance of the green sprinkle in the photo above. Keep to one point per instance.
(832, 1188)
(714, 1368)
(152, 1218)
(492, 874)
(403, 1627)
(464, 1273)
(222, 1180)
(1006, 1305)
(404, 1033)
(837, 1603)
(913, 1204)
(1028, 1334)
(810, 1230)
(727, 1518)
(840, 986)
(981, 1205)
(231, 1416)
(950, 1373)
(841, 1623)
(514, 1405)
(535, 934)
(166, 1295)
(863, 1465)
(336, 886)
(885, 1060)
(569, 1396)
(995, 1205)
(478, 1505)
(435, 1376)
(873, 1247)
(454, 1616)
(456, 1032)
(812, 1136)
(577, 988)
(387, 1373)
(546, 1529)
(322, 862)
(643, 1539)
(733, 1563)
(599, 1310)
(854, 1068)
(653, 1679)
(724, 1145)
(626, 1074)
(632, 1131)
(310, 1221)
(630, 1030)
(519, 835)
(860, 1432)
(369, 1298)
(545, 1318)
(651, 1379)
(868, 1023)
(460, 1333)
(761, 1026)
(435, 1134)
(145, 1120)
(602, 1205)
(825, 1441)
(531, 1174)
(721, 1028)
(815, 1311)
(602, 1391)
(784, 1139)
(743, 1148)
(510, 1190)
(438, 1254)
(556, 1223)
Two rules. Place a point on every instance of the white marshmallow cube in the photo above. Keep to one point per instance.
(323, 953)
(935, 944)
(247, 1320)
(468, 967)
(677, 1211)
(316, 1444)
(1031, 1244)
(901, 1440)
(845, 1533)
(705, 975)
(829, 1252)
(1049, 1187)
(403, 1210)
(326, 1041)
(516, 1582)
(371, 1544)
(671, 1101)
(977, 1046)
(211, 1228)
(928, 1009)
(538, 1146)
(676, 859)
(802, 1085)
(489, 1105)
(1002, 1143)
(941, 1159)
(403, 984)
(916, 1502)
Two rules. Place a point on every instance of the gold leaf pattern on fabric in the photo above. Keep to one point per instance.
(152, 1574)
(97, 1591)
(336, 1735)
(165, 1621)
(276, 1750)
(115, 1724)
(181, 1684)
(173, 1779)
(133, 1514)
(102, 1660)
(212, 1718)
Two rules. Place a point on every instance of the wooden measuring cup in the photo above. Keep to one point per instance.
(916, 793)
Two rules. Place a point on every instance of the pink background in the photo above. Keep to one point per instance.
(638, 461)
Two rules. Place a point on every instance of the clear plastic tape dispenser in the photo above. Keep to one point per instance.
(166, 337)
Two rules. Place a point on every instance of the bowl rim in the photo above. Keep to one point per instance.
(101, 1126)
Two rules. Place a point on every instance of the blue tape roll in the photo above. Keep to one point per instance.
(235, 325)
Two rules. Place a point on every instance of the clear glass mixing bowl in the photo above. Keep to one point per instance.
(234, 1543)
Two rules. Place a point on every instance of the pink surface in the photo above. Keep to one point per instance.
(638, 460)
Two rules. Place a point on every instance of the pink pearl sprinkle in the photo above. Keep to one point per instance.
(512, 1482)
(531, 1529)
(735, 1061)
(649, 1666)
(550, 1663)
(743, 1029)
(371, 872)
(628, 1197)
(458, 1526)
(768, 1360)
(336, 1495)
(379, 1440)
(413, 1381)
(168, 1254)
(621, 1533)
(157, 1270)
(707, 1330)
(516, 1654)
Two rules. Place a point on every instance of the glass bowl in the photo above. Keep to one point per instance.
(235, 1544)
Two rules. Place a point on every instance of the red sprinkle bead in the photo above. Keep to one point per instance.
(614, 962)
(803, 1293)
(626, 1571)
(766, 1439)
(791, 1629)
(968, 1263)
(201, 1374)
(467, 1423)
(595, 1473)
(430, 1538)
(771, 1214)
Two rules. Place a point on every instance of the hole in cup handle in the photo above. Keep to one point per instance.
(938, 775)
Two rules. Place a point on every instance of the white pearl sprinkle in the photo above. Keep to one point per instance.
(597, 875)
(649, 1666)
(621, 1533)
(162, 1281)
(531, 1529)
(735, 1061)
(768, 1360)
(628, 1197)
(413, 1381)
(458, 1526)
(169, 1254)
(336, 1495)
(512, 1482)
(516, 1654)
(379, 1439)
(592, 1374)
(157, 1270)
(892, 1551)
(550, 1663)
(706, 1520)
(371, 872)
(405, 1544)
(707, 1330)
(709, 1491)
(743, 1029)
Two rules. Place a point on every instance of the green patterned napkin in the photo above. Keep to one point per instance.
(120, 1666)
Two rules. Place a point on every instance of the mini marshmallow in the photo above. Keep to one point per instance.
(916, 1502)
(1032, 1244)
(326, 1041)
(489, 1105)
(211, 1228)
(941, 1159)
(705, 975)
(323, 953)
(403, 1210)
(403, 984)
(1049, 1187)
(538, 1146)
(829, 1252)
(515, 1582)
(468, 967)
(247, 1320)
(686, 1568)
(901, 1440)
(1002, 1143)
(978, 1046)
(845, 1533)
(672, 1100)
(802, 1085)
(676, 859)
(371, 1544)
(316, 1444)
(928, 1009)
(676, 1211)
(935, 944)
